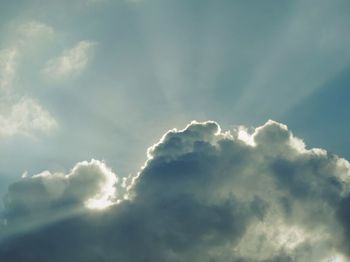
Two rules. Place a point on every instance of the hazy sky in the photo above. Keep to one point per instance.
(105, 79)
(113, 76)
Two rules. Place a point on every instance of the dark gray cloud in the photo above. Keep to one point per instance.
(203, 195)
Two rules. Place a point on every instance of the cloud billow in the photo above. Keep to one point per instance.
(203, 195)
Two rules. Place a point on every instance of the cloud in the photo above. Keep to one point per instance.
(202, 195)
(21, 114)
(30, 38)
(7, 67)
(71, 61)
(25, 117)
(35, 30)
(86, 183)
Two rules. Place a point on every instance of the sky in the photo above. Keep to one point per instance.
(90, 94)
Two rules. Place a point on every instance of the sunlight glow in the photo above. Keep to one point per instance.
(244, 136)
(335, 258)
(98, 204)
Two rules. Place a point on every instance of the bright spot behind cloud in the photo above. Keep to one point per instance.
(203, 195)
(87, 182)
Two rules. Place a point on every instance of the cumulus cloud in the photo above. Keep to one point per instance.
(48, 197)
(71, 61)
(86, 183)
(202, 195)
(25, 117)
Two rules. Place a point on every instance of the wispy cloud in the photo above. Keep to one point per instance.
(21, 114)
(35, 28)
(71, 61)
(24, 117)
(7, 67)
(30, 37)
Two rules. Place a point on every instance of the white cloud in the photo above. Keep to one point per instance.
(35, 29)
(7, 67)
(24, 117)
(30, 37)
(203, 195)
(71, 61)
(20, 114)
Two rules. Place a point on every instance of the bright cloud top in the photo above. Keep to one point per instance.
(87, 184)
(203, 195)
(71, 61)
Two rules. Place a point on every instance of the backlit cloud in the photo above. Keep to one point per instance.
(203, 195)
(85, 183)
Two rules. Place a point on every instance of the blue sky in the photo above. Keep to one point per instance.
(106, 79)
